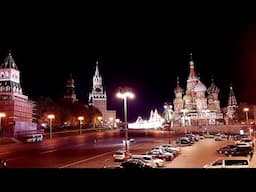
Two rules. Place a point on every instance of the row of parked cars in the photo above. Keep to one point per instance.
(237, 155)
(188, 140)
(243, 147)
(154, 158)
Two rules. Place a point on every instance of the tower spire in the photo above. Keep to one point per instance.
(192, 73)
(97, 69)
(178, 82)
(232, 99)
(212, 79)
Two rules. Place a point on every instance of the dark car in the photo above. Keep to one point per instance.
(134, 163)
(226, 149)
(241, 151)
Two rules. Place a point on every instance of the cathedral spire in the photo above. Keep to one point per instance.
(212, 79)
(192, 73)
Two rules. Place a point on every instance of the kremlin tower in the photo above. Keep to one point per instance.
(18, 109)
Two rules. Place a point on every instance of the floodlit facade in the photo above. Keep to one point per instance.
(155, 121)
(70, 94)
(17, 107)
(98, 97)
(198, 105)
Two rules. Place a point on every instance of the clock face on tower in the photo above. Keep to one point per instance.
(98, 89)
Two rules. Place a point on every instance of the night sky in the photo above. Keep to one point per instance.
(143, 51)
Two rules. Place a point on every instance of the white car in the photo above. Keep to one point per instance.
(232, 162)
(171, 147)
(153, 162)
(245, 142)
(121, 155)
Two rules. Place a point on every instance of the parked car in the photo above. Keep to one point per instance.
(218, 138)
(248, 141)
(170, 147)
(184, 141)
(208, 136)
(134, 163)
(161, 155)
(192, 137)
(226, 149)
(241, 151)
(121, 155)
(229, 163)
(150, 160)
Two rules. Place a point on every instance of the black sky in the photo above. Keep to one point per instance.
(145, 51)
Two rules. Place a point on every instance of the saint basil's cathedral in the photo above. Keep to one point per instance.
(200, 105)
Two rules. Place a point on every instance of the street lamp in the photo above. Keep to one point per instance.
(184, 119)
(1, 115)
(50, 117)
(111, 122)
(246, 110)
(125, 93)
(80, 118)
(100, 122)
(169, 117)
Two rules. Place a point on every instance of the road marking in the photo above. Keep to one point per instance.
(84, 160)
(49, 151)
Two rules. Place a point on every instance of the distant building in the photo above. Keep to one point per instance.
(232, 104)
(70, 95)
(195, 107)
(98, 97)
(16, 106)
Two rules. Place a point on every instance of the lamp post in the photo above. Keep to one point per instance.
(169, 117)
(50, 117)
(185, 118)
(1, 115)
(80, 118)
(246, 110)
(100, 122)
(125, 93)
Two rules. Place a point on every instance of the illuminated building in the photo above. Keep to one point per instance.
(70, 95)
(98, 97)
(232, 104)
(199, 105)
(17, 107)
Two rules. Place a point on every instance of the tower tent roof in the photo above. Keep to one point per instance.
(9, 62)
(232, 99)
(199, 87)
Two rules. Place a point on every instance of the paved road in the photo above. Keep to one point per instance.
(81, 151)
(64, 151)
